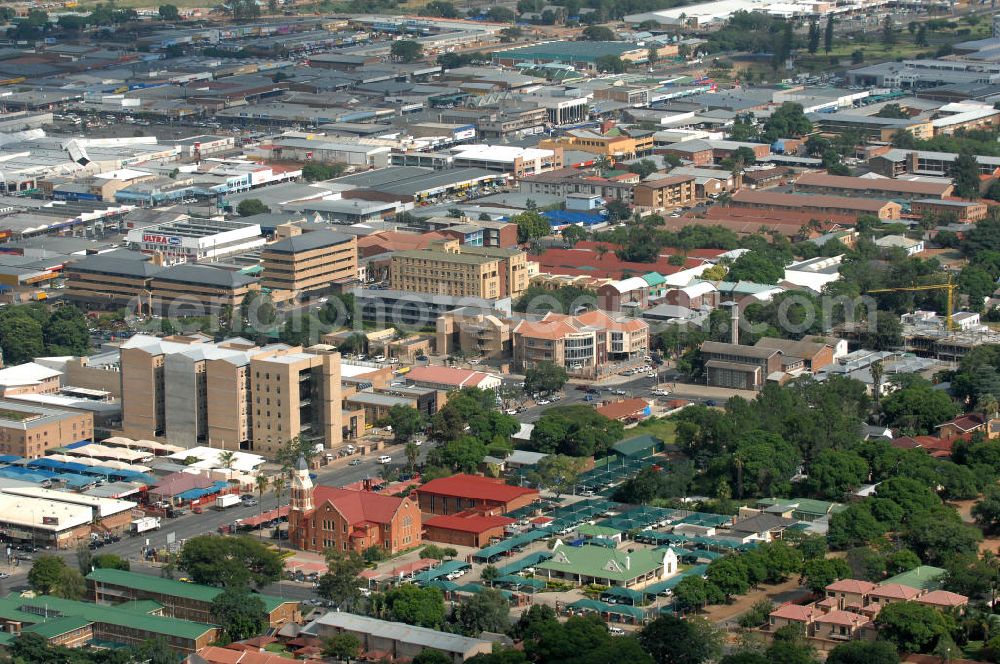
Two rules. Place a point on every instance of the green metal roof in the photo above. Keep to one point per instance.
(806, 506)
(160, 585)
(568, 51)
(54, 627)
(640, 446)
(601, 607)
(598, 531)
(924, 577)
(184, 629)
(445, 568)
(601, 563)
(654, 278)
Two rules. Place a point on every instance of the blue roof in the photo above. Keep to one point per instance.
(77, 444)
(195, 494)
(562, 217)
(9, 458)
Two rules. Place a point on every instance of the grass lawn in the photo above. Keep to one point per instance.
(664, 429)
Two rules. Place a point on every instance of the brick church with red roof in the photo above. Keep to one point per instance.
(326, 517)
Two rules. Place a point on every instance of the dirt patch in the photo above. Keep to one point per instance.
(789, 591)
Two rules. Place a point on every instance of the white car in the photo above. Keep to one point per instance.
(544, 402)
(418, 442)
(384, 459)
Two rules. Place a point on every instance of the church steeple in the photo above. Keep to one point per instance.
(302, 487)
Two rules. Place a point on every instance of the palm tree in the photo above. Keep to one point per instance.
(262, 484)
(600, 250)
(988, 405)
(877, 371)
(278, 485)
(227, 459)
(412, 453)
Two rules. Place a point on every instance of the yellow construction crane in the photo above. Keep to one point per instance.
(949, 287)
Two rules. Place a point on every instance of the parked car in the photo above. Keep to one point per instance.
(385, 459)
(355, 462)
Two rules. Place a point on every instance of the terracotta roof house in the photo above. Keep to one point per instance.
(789, 614)
(460, 493)
(943, 599)
(961, 425)
(451, 378)
(626, 410)
(892, 592)
(841, 625)
(850, 592)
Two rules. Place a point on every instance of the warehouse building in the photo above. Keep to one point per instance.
(396, 640)
(460, 493)
(179, 599)
(886, 188)
(197, 239)
(817, 204)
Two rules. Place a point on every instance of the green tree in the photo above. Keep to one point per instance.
(413, 605)
(690, 594)
(965, 176)
(643, 168)
(598, 33)
(912, 627)
(430, 656)
(821, 572)
(341, 582)
(828, 34)
(485, 611)
(833, 473)
(239, 613)
(758, 266)
(573, 234)
(250, 207)
(110, 561)
(611, 64)
(545, 377)
(230, 561)
(406, 50)
(169, 13)
(917, 408)
(986, 512)
(557, 473)
(814, 35)
(314, 172)
(342, 646)
(46, 574)
(888, 31)
(405, 421)
(920, 39)
(575, 430)
(21, 338)
(788, 121)
(530, 225)
(671, 640)
(864, 652)
(855, 526)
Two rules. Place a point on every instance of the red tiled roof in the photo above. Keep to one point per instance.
(583, 261)
(795, 612)
(446, 376)
(358, 506)
(843, 618)
(965, 423)
(623, 409)
(851, 586)
(895, 591)
(468, 524)
(217, 655)
(475, 487)
(943, 598)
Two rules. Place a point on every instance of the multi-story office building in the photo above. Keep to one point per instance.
(202, 288)
(111, 280)
(584, 345)
(451, 269)
(232, 394)
(27, 430)
(668, 192)
(310, 261)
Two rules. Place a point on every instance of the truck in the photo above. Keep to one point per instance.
(227, 500)
(145, 524)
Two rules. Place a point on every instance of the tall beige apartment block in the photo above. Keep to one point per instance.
(309, 261)
(232, 394)
(448, 268)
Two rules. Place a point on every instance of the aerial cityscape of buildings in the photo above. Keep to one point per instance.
(503, 333)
